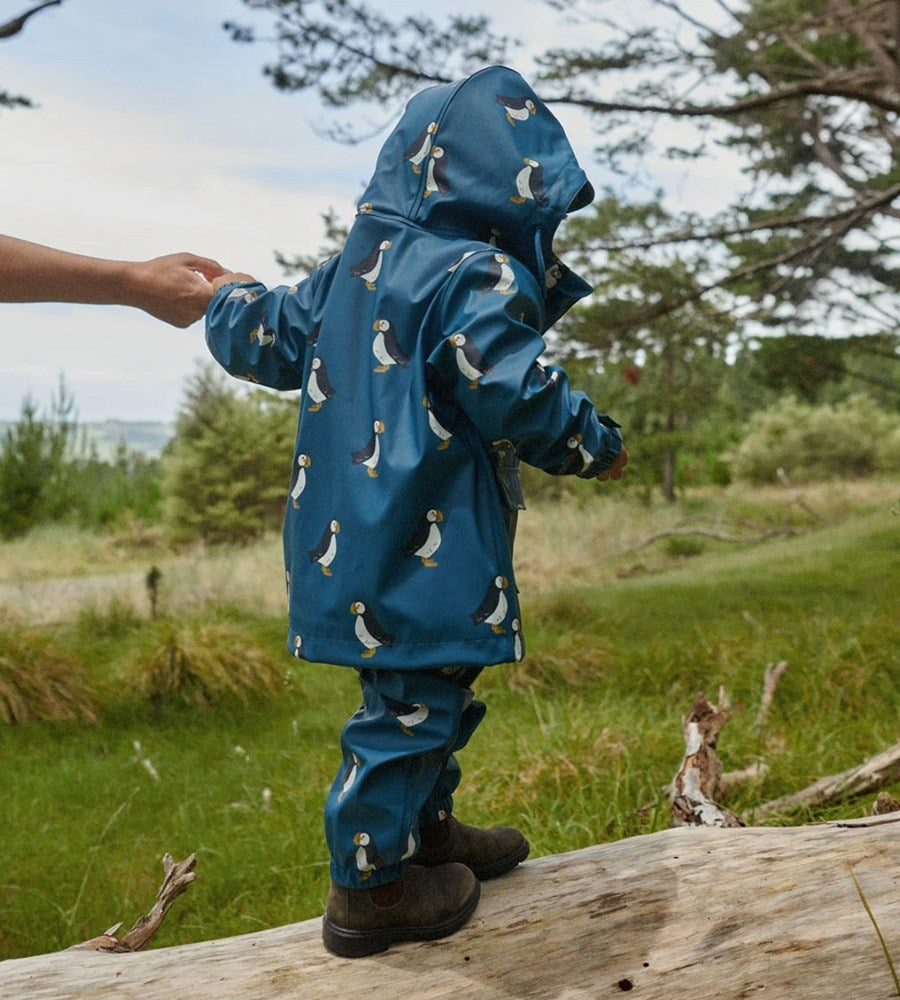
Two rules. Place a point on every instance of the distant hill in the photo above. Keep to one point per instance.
(145, 436)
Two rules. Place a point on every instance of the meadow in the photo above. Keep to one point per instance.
(580, 739)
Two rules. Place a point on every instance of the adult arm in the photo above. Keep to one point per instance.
(174, 288)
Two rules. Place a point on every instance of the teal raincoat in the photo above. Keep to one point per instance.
(416, 348)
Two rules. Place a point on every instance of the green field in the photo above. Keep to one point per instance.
(579, 741)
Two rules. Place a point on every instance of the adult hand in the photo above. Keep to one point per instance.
(230, 278)
(615, 470)
(175, 288)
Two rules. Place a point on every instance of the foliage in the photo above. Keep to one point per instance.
(805, 92)
(38, 681)
(821, 369)
(226, 470)
(49, 474)
(34, 470)
(205, 665)
(852, 438)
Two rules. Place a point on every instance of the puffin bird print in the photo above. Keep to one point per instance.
(313, 337)
(370, 266)
(494, 606)
(408, 716)
(242, 293)
(421, 147)
(530, 183)
(367, 856)
(436, 175)
(437, 427)
(326, 550)
(427, 538)
(386, 347)
(461, 260)
(581, 457)
(318, 388)
(298, 646)
(369, 455)
(299, 483)
(368, 631)
(469, 359)
(499, 277)
(516, 626)
(263, 335)
(355, 762)
(518, 109)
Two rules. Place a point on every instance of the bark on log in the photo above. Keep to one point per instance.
(699, 913)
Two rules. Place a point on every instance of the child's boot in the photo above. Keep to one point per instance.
(423, 904)
(488, 853)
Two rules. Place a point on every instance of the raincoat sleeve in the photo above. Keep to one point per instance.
(259, 334)
(487, 359)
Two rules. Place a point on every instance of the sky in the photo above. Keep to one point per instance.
(156, 133)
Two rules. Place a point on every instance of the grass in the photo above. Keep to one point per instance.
(580, 736)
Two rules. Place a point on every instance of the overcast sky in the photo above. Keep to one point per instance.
(157, 133)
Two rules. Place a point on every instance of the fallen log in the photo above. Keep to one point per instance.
(700, 913)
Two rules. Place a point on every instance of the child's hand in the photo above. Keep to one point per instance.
(230, 278)
(615, 470)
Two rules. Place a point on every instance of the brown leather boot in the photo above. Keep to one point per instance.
(427, 903)
(488, 853)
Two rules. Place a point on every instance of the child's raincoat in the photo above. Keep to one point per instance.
(416, 348)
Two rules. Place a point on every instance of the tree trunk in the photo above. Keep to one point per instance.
(693, 913)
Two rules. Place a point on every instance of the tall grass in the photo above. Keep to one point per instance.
(579, 740)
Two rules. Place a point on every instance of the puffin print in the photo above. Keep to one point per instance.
(436, 175)
(263, 334)
(313, 337)
(411, 847)
(242, 293)
(421, 147)
(355, 762)
(318, 388)
(367, 856)
(553, 275)
(461, 260)
(326, 550)
(408, 716)
(469, 359)
(365, 207)
(386, 347)
(437, 427)
(299, 483)
(518, 109)
(298, 646)
(578, 452)
(530, 183)
(370, 266)
(518, 652)
(368, 631)
(499, 277)
(427, 538)
(494, 606)
(545, 379)
(369, 455)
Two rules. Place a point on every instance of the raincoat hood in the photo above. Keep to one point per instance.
(461, 140)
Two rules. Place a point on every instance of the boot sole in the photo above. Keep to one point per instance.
(502, 865)
(346, 943)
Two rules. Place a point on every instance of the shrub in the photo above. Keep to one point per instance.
(38, 682)
(850, 439)
(227, 470)
(207, 664)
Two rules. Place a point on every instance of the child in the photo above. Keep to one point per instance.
(416, 349)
